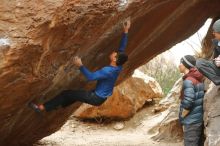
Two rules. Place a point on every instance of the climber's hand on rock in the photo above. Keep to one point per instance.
(127, 25)
(77, 61)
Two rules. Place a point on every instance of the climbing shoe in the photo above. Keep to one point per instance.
(34, 107)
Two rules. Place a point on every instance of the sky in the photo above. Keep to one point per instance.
(186, 47)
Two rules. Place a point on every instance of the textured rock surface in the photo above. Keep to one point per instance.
(40, 38)
(128, 97)
(212, 116)
(174, 94)
(169, 129)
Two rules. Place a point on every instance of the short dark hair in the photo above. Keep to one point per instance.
(121, 58)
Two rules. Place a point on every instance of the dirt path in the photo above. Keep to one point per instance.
(135, 133)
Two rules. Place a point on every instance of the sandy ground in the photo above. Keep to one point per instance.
(134, 133)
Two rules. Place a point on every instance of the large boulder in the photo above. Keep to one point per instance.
(212, 116)
(127, 98)
(170, 129)
(38, 40)
(174, 94)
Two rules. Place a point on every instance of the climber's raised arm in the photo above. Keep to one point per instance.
(124, 40)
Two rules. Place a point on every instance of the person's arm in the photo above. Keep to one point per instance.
(189, 97)
(124, 40)
(123, 43)
(215, 52)
(91, 76)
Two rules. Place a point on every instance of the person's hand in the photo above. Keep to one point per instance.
(217, 61)
(185, 113)
(127, 25)
(77, 61)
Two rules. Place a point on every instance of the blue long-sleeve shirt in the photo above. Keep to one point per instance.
(123, 42)
(107, 76)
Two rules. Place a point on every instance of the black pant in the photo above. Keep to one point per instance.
(193, 135)
(68, 97)
(209, 70)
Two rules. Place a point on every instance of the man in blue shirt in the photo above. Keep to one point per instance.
(105, 77)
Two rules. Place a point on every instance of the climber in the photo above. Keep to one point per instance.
(191, 106)
(106, 78)
(211, 69)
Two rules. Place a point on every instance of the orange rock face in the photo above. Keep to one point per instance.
(128, 97)
(37, 41)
